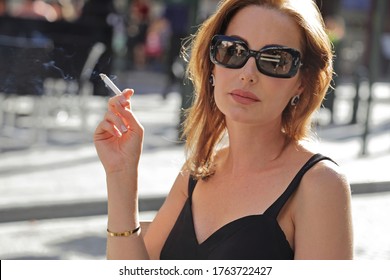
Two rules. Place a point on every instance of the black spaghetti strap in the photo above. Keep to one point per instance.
(275, 208)
(191, 186)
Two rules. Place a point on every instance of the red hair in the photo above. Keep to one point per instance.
(205, 125)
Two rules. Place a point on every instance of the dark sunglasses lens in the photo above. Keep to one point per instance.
(276, 62)
(231, 54)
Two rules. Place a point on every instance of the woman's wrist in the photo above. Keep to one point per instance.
(122, 215)
(122, 169)
(122, 192)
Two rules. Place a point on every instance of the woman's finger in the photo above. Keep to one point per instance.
(117, 121)
(133, 123)
(121, 101)
(106, 130)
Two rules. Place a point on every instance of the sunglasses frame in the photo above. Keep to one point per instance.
(296, 55)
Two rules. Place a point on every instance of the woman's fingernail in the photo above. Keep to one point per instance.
(123, 101)
(123, 128)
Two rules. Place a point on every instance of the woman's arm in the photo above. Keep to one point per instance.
(118, 140)
(148, 243)
(166, 217)
(123, 216)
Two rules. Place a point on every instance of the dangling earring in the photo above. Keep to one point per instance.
(295, 100)
(212, 80)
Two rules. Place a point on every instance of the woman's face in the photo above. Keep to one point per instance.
(245, 95)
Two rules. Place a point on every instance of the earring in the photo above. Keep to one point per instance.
(295, 100)
(212, 80)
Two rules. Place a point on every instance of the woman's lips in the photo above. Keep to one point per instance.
(244, 97)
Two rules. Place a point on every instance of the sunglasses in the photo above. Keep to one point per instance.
(274, 61)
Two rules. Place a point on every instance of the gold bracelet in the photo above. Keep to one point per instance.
(126, 233)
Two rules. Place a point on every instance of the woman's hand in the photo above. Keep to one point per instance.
(119, 137)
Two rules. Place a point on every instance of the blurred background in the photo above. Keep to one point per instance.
(52, 186)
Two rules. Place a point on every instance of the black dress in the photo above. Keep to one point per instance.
(255, 237)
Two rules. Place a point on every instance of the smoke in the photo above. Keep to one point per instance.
(51, 69)
(24, 69)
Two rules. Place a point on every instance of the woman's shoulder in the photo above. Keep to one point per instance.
(325, 177)
(324, 182)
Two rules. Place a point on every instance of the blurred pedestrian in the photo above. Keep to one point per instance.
(156, 43)
(260, 69)
(94, 16)
(95, 13)
(26, 50)
(139, 20)
(177, 15)
(3, 9)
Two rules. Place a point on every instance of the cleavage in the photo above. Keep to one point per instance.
(214, 208)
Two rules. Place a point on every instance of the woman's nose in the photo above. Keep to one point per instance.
(249, 72)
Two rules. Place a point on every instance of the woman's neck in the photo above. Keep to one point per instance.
(254, 148)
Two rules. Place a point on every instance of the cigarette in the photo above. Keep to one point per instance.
(110, 84)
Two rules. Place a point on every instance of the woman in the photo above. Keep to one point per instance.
(262, 73)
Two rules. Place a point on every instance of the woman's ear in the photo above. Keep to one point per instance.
(301, 86)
